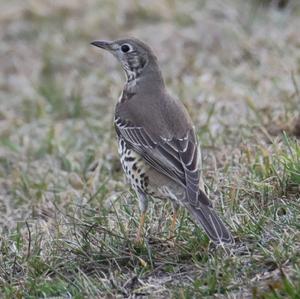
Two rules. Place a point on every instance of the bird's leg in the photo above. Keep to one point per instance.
(140, 232)
(143, 204)
(174, 218)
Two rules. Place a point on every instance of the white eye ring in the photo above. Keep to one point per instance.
(125, 48)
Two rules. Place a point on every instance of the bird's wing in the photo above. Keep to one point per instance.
(176, 158)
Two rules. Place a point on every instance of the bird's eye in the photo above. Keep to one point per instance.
(125, 48)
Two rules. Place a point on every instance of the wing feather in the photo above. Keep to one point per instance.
(177, 158)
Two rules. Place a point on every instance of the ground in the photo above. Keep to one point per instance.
(68, 218)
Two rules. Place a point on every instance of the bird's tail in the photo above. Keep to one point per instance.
(210, 221)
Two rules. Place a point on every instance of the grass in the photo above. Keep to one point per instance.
(68, 219)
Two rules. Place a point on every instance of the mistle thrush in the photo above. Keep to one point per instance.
(157, 142)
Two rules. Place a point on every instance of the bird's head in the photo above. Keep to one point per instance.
(134, 55)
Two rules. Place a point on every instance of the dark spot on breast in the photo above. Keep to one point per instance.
(136, 180)
(142, 175)
(146, 181)
(134, 167)
(129, 159)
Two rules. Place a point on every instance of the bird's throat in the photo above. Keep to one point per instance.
(139, 81)
(129, 90)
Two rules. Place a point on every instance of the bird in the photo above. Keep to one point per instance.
(157, 143)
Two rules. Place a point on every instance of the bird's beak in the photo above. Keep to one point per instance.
(106, 45)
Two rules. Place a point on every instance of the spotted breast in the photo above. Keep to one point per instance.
(134, 167)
